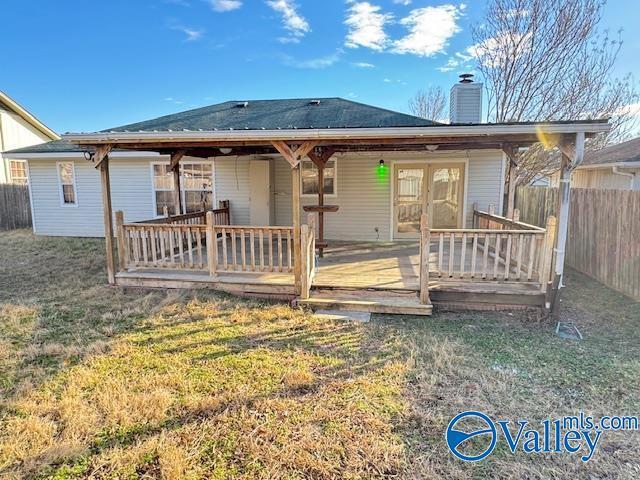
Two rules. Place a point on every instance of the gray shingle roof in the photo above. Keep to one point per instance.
(302, 113)
(628, 151)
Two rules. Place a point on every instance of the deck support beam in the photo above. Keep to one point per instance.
(293, 155)
(295, 212)
(108, 219)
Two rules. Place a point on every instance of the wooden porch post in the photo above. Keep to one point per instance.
(510, 152)
(295, 211)
(108, 219)
(175, 169)
(425, 242)
(122, 254)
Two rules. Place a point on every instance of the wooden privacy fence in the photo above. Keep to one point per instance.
(15, 211)
(536, 204)
(604, 232)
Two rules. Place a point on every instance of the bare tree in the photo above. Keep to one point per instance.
(429, 104)
(547, 60)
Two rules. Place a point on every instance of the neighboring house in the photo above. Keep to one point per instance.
(18, 129)
(614, 167)
(386, 177)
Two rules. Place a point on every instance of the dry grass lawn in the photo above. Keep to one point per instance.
(100, 383)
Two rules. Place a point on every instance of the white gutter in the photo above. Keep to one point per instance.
(36, 155)
(338, 133)
(632, 176)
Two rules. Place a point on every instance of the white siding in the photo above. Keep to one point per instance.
(15, 133)
(232, 183)
(131, 192)
(364, 197)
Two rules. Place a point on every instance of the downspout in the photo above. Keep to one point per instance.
(568, 165)
(631, 176)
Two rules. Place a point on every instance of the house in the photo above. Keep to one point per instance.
(614, 167)
(228, 196)
(18, 129)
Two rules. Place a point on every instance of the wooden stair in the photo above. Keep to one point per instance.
(354, 300)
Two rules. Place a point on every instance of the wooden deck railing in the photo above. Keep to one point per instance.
(504, 250)
(172, 242)
(252, 249)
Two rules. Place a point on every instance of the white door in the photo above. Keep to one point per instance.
(259, 192)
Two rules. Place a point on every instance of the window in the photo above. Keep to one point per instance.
(67, 182)
(18, 171)
(163, 189)
(196, 187)
(310, 178)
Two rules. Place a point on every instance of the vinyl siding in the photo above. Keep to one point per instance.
(363, 197)
(15, 133)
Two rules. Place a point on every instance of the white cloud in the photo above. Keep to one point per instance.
(430, 28)
(496, 49)
(192, 34)
(366, 26)
(451, 64)
(293, 22)
(363, 65)
(225, 5)
(314, 63)
(402, 2)
(387, 80)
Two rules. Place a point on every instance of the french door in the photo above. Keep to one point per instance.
(435, 188)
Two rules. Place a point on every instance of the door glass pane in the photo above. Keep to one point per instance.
(409, 199)
(446, 196)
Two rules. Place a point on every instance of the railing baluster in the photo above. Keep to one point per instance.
(507, 257)
(452, 243)
(243, 252)
(189, 245)
(252, 256)
(440, 254)
(224, 249)
(533, 239)
(180, 246)
(234, 247)
(474, 255)
(496, 259)
(261, 240)
(270, 250)
(519, 258)
(485, 255)
(143, 235)
(463, 254)
(279, 250)
(199, 245)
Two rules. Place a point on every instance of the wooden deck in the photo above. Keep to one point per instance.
(360, 274)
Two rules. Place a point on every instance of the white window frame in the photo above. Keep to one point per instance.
(335, 180)
(26, 173)
(182, 189)
(75, 182)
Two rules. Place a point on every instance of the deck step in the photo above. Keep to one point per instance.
(367, 301)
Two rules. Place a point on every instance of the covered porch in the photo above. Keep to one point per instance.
(495, 261)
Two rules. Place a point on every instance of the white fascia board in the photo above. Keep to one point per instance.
(55, 155)
(338, 133)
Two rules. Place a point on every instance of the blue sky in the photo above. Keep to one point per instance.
(85, 65)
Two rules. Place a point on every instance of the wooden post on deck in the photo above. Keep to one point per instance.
(122, 254)
(108, 219)
(175, 169)
(425, 242)
(547, 253)
(304, 263)
(212, 259)
(295, 211)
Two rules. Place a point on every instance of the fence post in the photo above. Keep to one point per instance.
(425, 242)
(122, 254)
(212, 261)
(547, 252)
(304, 262)
(516, 215)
